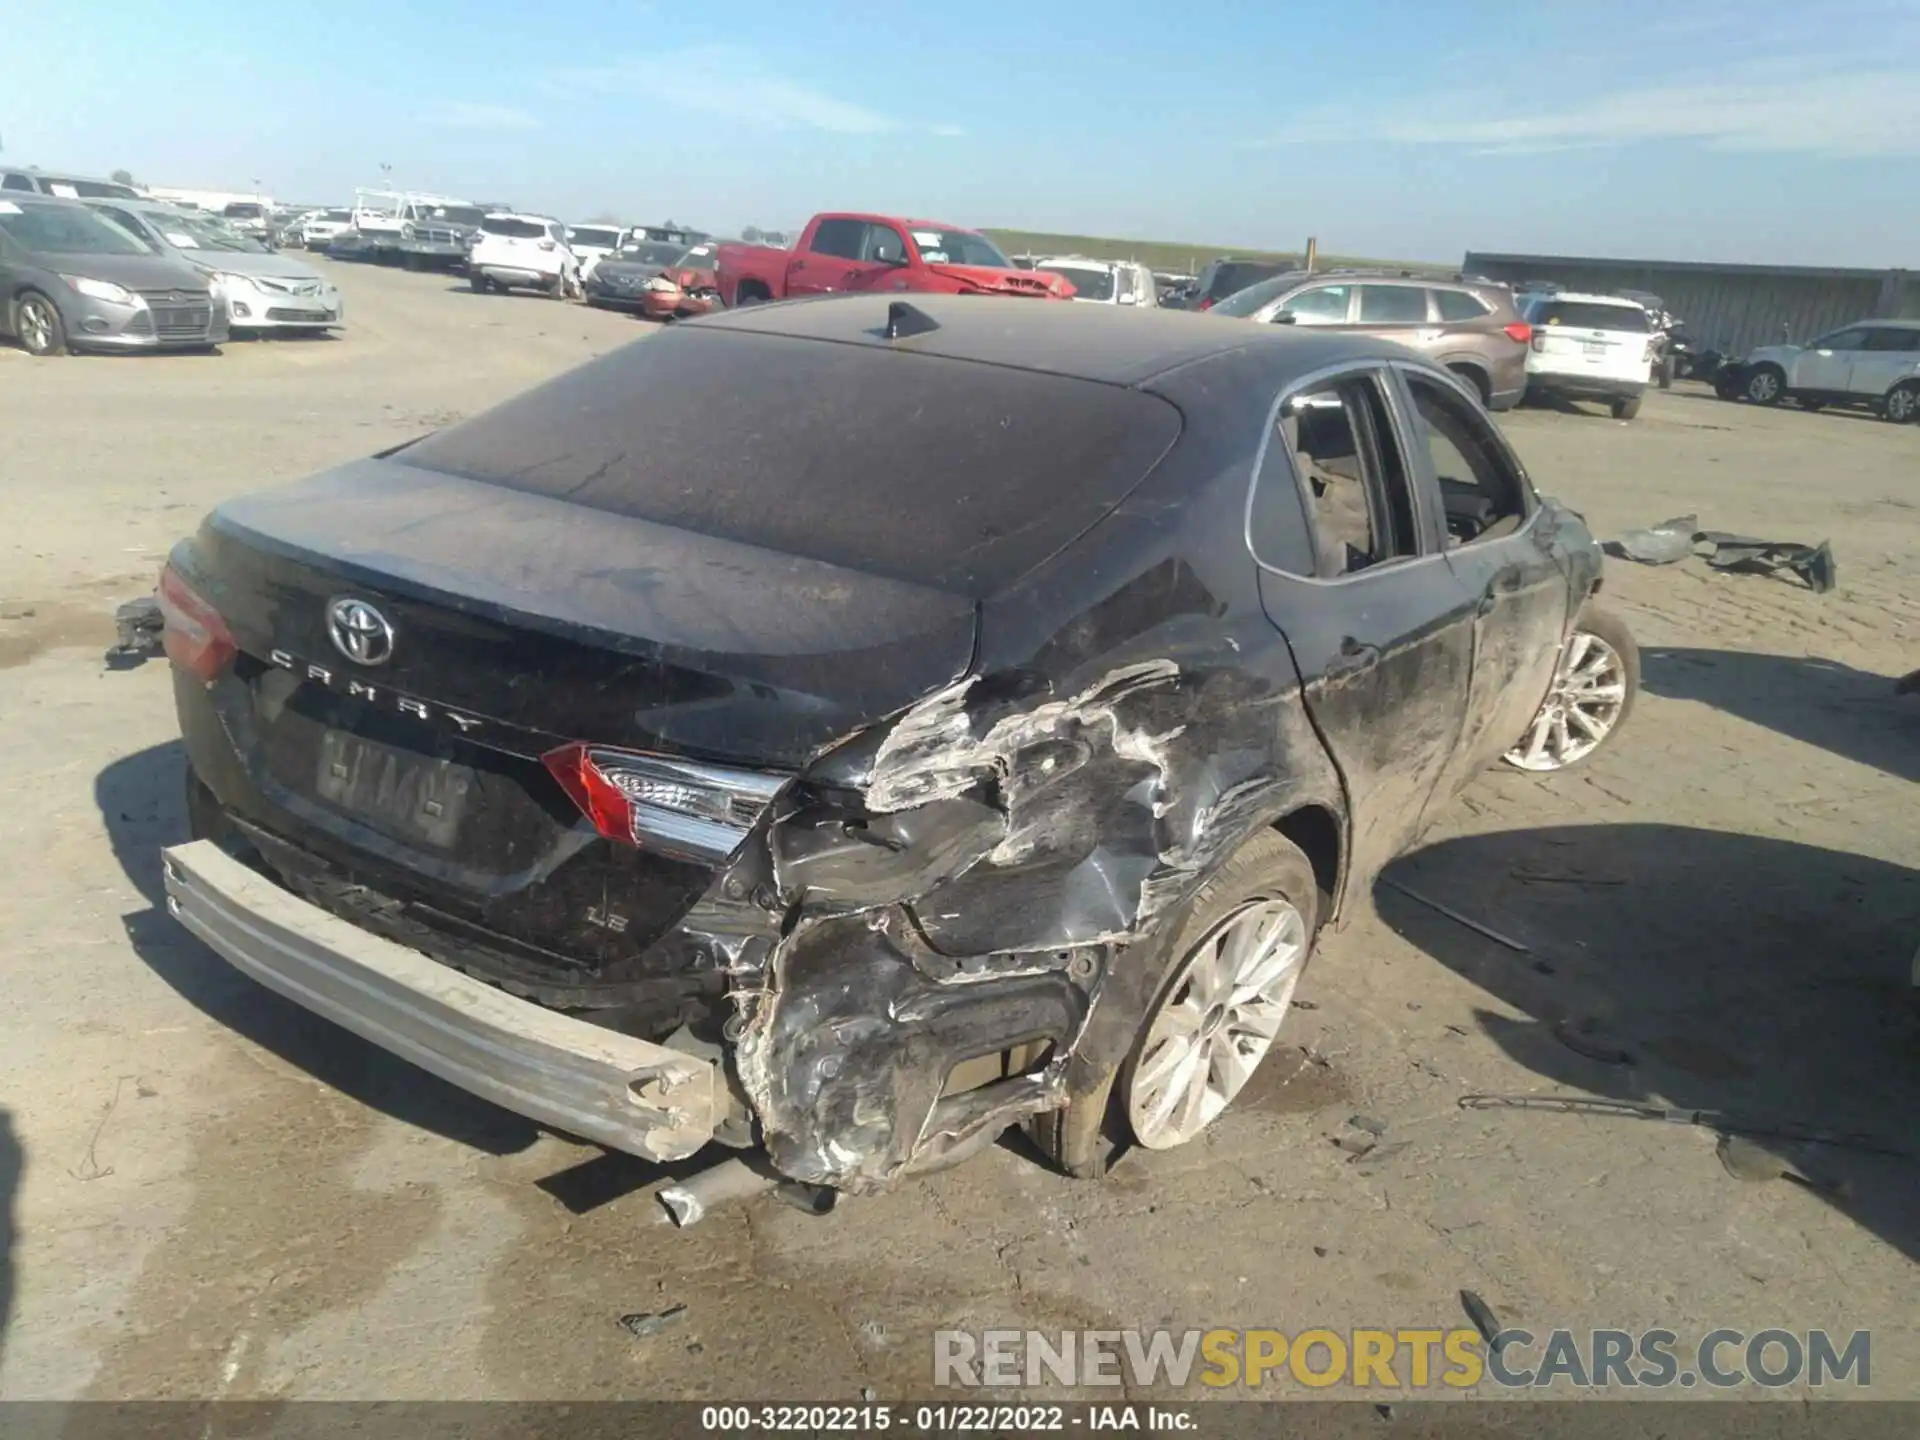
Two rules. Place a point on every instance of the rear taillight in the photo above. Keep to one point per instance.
(1205, 304)
(679, 808)
(193, 634)
(546, 244)
(1520, 332)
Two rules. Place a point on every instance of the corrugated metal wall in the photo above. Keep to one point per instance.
(1731, 310)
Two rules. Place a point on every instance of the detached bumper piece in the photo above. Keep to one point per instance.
(619, 1091)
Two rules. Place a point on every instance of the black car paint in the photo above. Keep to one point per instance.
(1005, 797)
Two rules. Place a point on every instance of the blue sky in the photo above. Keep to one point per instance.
(1691, 129)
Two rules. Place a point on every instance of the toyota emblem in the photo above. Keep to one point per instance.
(359, 632)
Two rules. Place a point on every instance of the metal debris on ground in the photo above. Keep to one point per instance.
(1353, 1145)
(1483, 1318)
(1706, 1119)
(137, 625)
(1674, 540)
(1580, 1040)
(1368, 1124)
(643, 1324)
(1746, 1160)
(1458, 918)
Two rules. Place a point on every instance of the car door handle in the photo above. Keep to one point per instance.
(1353, 659)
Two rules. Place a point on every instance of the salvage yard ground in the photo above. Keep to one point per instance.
(215, 1193)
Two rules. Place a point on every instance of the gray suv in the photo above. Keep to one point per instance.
(72, 280)
(1469, 326)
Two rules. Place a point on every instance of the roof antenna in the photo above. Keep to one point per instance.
(904, 321)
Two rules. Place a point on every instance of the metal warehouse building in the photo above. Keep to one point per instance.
(1731, 307)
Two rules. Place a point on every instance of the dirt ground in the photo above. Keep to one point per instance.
(214, 1194)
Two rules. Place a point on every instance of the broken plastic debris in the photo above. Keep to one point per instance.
(1483, 1318)
(1578, 1040)
(1368, 1124)
(643, 1324)
(1663, 544)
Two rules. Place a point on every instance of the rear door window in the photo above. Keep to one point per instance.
(1393, 305)
(840, 238)
(1333, 448)
(1484, 495)
(1891, 339)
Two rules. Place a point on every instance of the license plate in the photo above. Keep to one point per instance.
(411, 796)
(1593, 347)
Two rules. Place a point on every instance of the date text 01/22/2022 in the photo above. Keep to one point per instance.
(942, 1419)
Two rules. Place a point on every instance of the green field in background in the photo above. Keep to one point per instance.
(1173, 255)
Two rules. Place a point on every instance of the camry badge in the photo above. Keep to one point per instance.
(359, 632)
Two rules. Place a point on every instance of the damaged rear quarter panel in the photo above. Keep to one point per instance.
(1134, 717)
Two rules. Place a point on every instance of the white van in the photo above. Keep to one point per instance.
(1590, 347)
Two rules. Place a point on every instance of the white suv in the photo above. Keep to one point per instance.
(1103, 282)
(1590, 347)
(1875, 363)
(523, 252)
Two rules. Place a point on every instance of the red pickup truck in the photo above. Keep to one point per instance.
(843, 252)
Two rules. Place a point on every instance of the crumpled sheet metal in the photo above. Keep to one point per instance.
(1674, 540)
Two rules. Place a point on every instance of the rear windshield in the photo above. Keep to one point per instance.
(1088, 283)
(958, 475)
(70, 189)
(1589, 315)
(593, 235)
(517, 229)
(1226, 277)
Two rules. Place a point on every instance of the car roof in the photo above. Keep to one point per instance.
(1088, 261)
(1088, 342)
(1583, 297)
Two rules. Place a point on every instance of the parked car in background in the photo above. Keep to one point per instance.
(1008, 776)
(1468, 326)
(673, 235)
(1220, 278)
(319, 228)
(438, 234)
(593, 243)
(251, 219)
(843, 253)
(1591, 347)
(72, 280)
(1873, 365)
(661, 282)
(264, 290)
(1103, 282)
(64, 187)
(523, 252)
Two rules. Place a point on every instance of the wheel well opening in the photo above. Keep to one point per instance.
(1475, 377)
(1316, 833)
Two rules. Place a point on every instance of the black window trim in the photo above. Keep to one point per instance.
(1408, 416)
(1381, 373)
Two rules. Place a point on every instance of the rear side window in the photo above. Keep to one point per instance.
(1457, 306)
(946, 473)
(842, 238)
(1590, 315)
(1392, 305)
(16, 182)
(1891, 339)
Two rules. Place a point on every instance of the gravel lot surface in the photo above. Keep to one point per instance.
(215, 1194)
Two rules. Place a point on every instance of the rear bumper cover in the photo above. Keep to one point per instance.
(617, 1090)
(1603, 387)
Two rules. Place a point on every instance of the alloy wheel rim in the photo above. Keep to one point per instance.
(36, 327)
(1589, 693)
(1763, 386)
(1216, 1022)
(1902, 404)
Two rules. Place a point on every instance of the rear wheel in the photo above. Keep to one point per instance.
(477, 282)
(1626, 409)
(36, 320)
(1592, 695)
(1227, 990)
(1903, 403)
(1766, 385)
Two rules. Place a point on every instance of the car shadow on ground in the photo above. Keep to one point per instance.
(1851, 713)
(13, 1164)
(1700, 970)
(142, 803)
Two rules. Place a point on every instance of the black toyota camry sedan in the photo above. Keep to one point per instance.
(847, 728)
